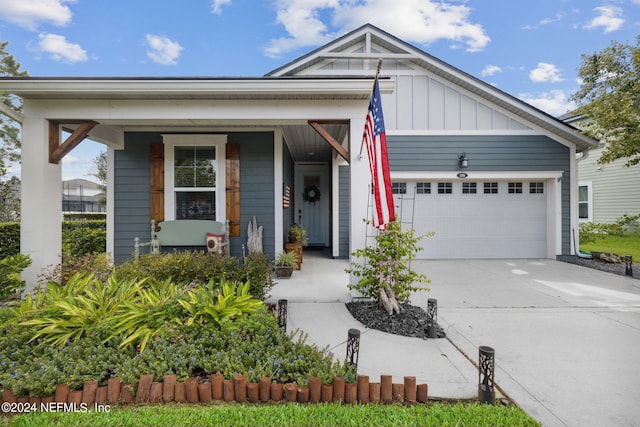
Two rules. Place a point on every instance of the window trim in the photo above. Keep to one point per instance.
(210, 140)
(589, 185)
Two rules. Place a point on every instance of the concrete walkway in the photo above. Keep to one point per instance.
(567, 338)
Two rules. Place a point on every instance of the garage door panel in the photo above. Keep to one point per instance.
(478, 225)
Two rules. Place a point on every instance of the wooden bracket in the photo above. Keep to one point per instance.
(57, 151)
(317, 125)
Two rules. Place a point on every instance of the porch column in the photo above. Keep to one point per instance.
(359, 186)
(41, 201)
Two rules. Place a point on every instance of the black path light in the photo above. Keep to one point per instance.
(282, 314)
(486, 369)
(432, 318)
(628, 269)
(353, 348)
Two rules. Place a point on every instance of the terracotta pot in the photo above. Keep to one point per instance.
(253, 392)
(113, 391)
(277, 392)
(169, 388)
(89, 392)
(326, 395)
(363, 389)
(338, 389)
(180, 394)
(216, 386)
(315, 389)
(265, 389)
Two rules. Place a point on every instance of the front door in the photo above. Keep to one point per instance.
(312, 202)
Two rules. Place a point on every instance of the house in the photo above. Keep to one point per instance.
(81, 196)
(606, 192)
(492, 176)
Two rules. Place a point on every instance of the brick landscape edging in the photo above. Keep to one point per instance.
(235, 390)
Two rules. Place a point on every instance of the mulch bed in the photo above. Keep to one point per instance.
(412, 321)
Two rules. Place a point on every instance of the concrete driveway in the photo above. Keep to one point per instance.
(566, 338)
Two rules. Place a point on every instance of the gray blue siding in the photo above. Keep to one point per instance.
(344, 182)
(132, 200)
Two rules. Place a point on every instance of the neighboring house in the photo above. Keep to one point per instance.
(605, 191)
(81, 196)
(234, 148)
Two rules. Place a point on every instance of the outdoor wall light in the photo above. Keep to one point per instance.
(464, 162)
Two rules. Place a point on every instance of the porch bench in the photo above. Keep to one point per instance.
(212, 235)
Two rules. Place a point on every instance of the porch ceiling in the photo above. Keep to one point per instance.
(306, 145)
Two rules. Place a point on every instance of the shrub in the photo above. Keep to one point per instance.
(10, 269)
(590, 231)
(9, 239)
(387, 264)
(257, 271)
(83, 237)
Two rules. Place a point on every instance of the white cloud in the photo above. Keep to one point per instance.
(490, 70)
(216, 6)
(546, 21)
(545, 73)
(609, 18)
(554, 102)
(162, 50)
(60, 49)
(422, 21)
(30, 13)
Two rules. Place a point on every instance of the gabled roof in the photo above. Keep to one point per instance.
(401, 50)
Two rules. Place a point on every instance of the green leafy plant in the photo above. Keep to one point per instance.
(286, 259)
(10, 269)
(590, 231)
(204, 304)
(257, 271)
(386, 265)
(298, 234)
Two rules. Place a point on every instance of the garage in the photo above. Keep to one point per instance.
(476, 218)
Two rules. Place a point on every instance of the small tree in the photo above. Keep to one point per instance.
(386, 275)
(610, 97)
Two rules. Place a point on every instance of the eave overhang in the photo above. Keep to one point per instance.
(193, 88)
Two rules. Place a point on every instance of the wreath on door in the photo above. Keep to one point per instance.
(311, 194)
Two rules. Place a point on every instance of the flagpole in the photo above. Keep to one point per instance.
(374, 85)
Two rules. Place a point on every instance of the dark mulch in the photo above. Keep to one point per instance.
(412, 321)
(609, 267)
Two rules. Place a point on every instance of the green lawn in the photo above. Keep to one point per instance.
(436, 414)
(620, 245)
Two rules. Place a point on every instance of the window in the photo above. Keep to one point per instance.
(585, 207)
(490, 188)
(399, 187)
(515, 188)
(423, 187)
(469, 188)
(445, 188)
(194, 177)
(536, 187)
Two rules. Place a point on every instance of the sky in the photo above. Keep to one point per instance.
(529, 49)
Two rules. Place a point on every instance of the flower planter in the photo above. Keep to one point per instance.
(283, 271)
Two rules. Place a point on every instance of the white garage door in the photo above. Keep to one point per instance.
(480, 219)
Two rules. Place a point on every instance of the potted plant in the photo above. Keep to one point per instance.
(284, 264)
(297, 234)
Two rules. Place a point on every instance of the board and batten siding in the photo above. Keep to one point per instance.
(132, 198)
(486, 153)
(615, 187)
(344, 185)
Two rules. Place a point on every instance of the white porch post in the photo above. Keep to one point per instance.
(41, 201)
(359, 185)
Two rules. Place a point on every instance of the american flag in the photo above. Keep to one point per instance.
(376, 140)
